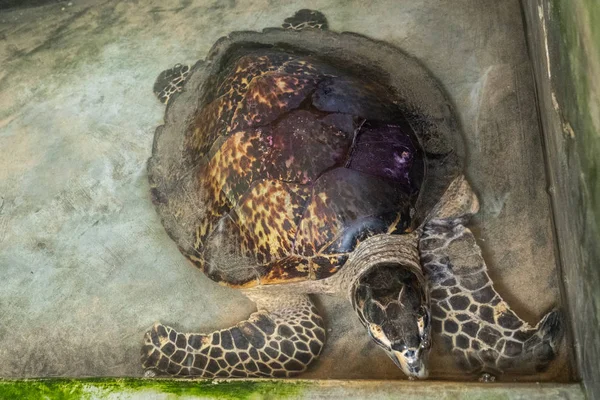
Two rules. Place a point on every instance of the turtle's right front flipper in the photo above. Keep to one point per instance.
(483, 332)
(279, 340)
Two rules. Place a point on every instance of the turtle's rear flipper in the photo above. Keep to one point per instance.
(541, 347)
(280, 340)
(170, 82)
(468, 314)
(304, 19)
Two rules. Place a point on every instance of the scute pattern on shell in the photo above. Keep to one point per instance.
(285, 191)
(269, 96)
(267, 219)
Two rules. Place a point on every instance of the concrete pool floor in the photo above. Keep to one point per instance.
(87, 267)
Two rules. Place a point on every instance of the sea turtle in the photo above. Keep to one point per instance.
(296, 161)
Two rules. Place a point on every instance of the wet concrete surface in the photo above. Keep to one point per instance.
(87, 267)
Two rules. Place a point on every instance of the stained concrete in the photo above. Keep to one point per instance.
(564, 38)
(87, 267)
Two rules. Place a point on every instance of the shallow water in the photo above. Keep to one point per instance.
(87, 265)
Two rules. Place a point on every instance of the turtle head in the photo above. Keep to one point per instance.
(391, 302)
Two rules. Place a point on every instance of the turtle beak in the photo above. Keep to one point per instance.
(410, 363)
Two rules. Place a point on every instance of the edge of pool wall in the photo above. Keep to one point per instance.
(564, 44)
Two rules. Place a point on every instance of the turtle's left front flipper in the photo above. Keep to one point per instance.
(170, 82)
(483, 332)
(281, 339)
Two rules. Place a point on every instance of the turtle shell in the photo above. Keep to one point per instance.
(287, 161)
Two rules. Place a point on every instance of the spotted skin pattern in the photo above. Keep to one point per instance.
(306, 19)
(280, 342)
(470, 317)
(170, 82)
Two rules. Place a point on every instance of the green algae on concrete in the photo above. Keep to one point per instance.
(105, 388)
(130, 388)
